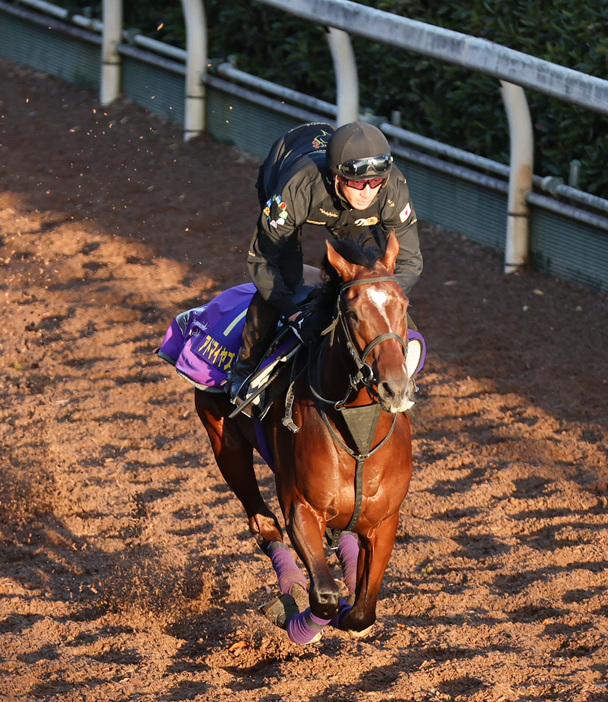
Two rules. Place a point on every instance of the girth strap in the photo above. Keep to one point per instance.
(358, 494)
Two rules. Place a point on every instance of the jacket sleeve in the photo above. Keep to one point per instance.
(275, 249)
(398, 215)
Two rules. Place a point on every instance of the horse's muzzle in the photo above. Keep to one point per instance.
(396, 394)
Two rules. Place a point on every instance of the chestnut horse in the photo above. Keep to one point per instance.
(345, 463)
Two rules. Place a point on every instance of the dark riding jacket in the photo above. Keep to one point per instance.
(295, 188)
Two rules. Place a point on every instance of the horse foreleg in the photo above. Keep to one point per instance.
(306, 530)
(234, 457)
(306, 627)
(304, 624)
(376, 549)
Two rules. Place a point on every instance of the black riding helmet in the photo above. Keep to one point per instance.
(358, 151)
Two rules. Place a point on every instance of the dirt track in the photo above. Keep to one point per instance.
(126, 568)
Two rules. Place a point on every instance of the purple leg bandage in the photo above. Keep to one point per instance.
(303, 628)
(285, 567)
(348, 553)
(336, 620)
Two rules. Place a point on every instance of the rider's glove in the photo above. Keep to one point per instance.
(303, 327)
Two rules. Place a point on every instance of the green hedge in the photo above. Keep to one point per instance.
(435, 99)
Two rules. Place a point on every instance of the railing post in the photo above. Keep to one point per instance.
(111, 38)
(520, 175)
(347, 81)
(196, 67)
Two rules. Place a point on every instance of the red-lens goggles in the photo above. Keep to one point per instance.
(360, 184)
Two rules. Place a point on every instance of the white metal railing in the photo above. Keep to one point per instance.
(342, 18)
(475, 169)
(479, 55)
(61, 13)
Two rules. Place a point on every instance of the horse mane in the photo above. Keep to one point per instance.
(327, 293)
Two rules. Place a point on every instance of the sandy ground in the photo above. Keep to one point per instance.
(126, 568)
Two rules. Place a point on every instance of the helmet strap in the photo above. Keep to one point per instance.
(338, 190)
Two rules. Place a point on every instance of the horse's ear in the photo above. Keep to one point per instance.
(344, 268)
(392, 249)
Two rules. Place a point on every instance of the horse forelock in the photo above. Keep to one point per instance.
(354, 252)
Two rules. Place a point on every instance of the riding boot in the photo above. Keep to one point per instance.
(258, 332)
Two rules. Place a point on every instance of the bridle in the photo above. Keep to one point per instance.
(365, 374)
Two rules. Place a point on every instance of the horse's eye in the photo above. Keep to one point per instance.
(352, 315)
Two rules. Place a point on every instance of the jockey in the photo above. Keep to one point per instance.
(342, 179)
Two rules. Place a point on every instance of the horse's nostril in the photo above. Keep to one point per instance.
(386, 391)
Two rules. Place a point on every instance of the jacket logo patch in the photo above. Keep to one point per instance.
(320, 141)
(280, 206)
(405, 212)
(367, 221)
(325, 212)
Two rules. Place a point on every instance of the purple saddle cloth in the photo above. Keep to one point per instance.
(202, 343)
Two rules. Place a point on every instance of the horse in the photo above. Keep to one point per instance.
(342, 458)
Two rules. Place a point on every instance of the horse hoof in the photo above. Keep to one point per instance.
(360, 634)
(300, 595)
(280, 610)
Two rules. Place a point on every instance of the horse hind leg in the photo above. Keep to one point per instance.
(348, 555)
(288, 572)
(234, 457)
